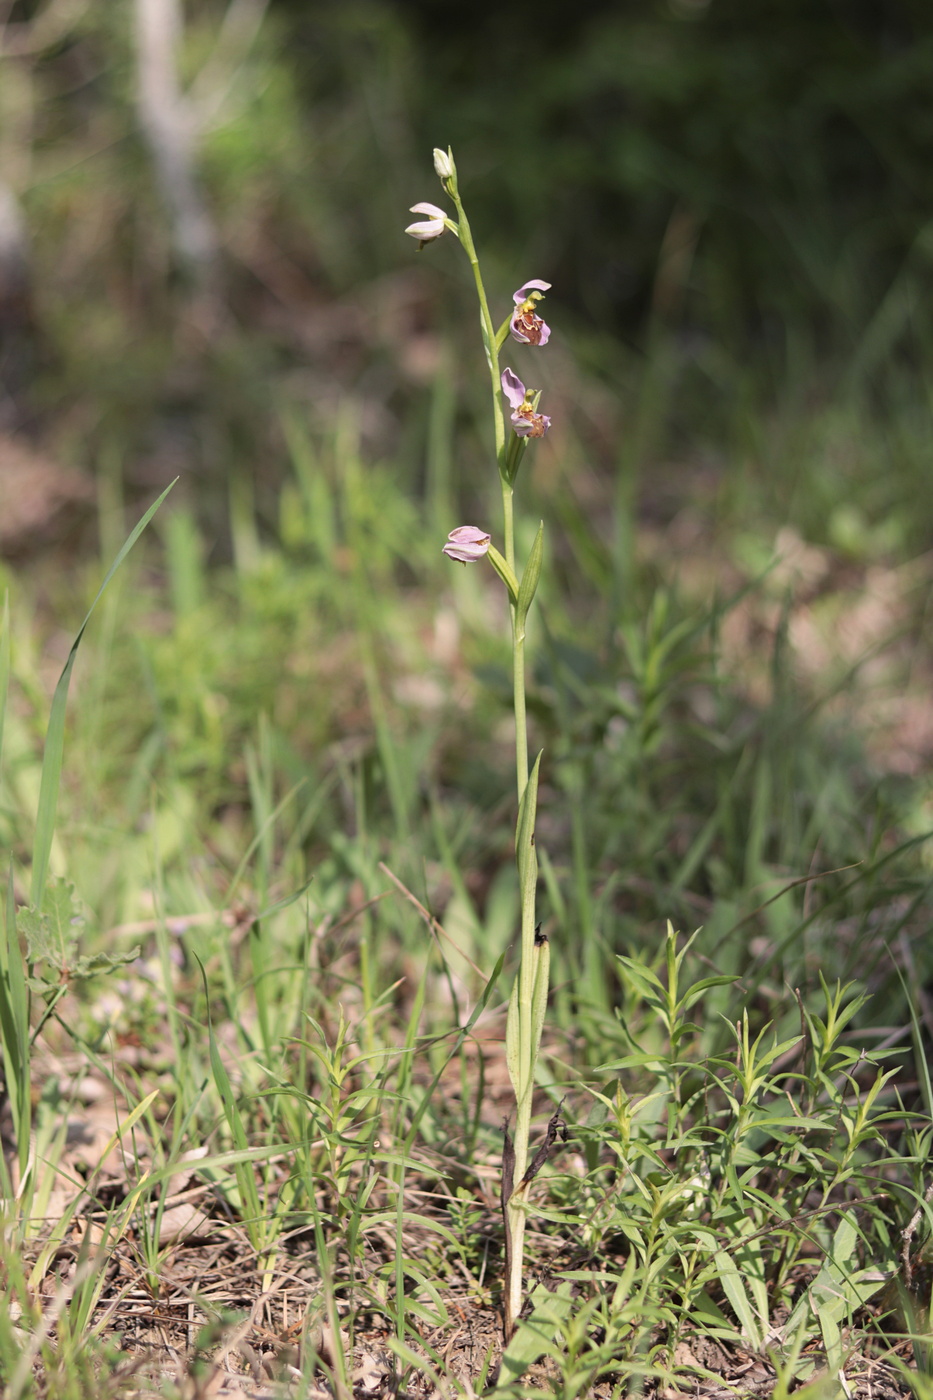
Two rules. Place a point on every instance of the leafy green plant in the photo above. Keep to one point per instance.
(769, 1165)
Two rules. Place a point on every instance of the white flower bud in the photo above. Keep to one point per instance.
(443, 163)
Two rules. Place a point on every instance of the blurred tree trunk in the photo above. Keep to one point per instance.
(16, 310)
(171, 128)
(14, 249)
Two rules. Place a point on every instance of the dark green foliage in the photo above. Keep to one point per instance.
(787, 141)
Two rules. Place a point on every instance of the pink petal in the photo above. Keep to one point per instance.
(513, 388)
(428, 229)
(466, 544)
(535, 285)
(530, 424)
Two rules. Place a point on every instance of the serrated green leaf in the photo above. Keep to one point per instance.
(53, 930)
(41, 986)
(91, 965)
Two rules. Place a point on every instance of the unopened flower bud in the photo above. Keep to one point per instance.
(443, 163)
(466, 544)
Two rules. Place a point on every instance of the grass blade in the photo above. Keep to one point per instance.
(14, 1028)
(55, 735)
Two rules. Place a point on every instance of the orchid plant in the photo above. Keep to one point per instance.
(467, 544)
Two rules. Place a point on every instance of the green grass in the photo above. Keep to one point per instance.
(223, 992)
(258, 905)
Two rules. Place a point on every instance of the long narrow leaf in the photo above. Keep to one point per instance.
(461, 1037)
(532, 572)
(245, 1180)
(534, 1335)
(55, 735)
(14, 1026)
(486, 993)
(526, 823)
(734, 1289)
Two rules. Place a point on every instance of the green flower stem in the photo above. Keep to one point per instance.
(518, 695)
(509, 531)
(518, 653)
(489, 339)
(527, 1007)
(492, 341)
(529, 997)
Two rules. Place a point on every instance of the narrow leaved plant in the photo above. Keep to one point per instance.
(516, 421)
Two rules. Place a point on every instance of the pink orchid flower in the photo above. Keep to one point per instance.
(466, 544)
(429, 228)
(526, 325)
(525, 421)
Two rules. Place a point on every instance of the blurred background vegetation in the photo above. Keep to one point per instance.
(205, 275)
(749, 186)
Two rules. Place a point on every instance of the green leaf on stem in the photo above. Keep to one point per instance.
(542, 970)
(486, 345)
(514, 452)
(512, 1036)
(525, 830)
(502, 568)
(532, 572)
